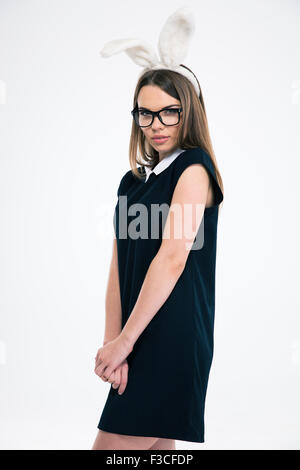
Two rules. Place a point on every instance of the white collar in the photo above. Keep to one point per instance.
(163, 164)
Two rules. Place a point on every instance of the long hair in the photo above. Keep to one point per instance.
(193, 131)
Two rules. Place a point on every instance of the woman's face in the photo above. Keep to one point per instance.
(153, 98)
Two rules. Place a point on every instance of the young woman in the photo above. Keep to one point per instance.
(158, 342)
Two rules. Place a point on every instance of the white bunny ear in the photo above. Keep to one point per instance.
(175, 36)
(141, 52)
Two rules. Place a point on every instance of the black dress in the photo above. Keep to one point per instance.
(170, 361)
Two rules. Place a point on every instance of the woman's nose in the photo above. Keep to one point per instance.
(156, 122)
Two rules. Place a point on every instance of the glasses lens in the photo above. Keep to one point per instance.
(143, 118)
(170, 117)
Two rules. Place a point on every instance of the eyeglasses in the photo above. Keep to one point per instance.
(167, 116)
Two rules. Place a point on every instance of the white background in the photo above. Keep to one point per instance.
(62, 154)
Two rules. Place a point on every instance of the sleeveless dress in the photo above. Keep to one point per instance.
(170, 362)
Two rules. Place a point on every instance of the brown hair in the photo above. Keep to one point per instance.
(193, 131)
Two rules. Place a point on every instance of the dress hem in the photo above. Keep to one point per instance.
(160, 435)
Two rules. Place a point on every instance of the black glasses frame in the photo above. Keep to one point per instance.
(154, 113)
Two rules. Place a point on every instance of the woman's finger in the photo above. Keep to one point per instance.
(124, 378)
(104, 375)
(111, 378)
(117, 378)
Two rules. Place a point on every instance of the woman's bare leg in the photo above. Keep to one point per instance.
(163, 444)
(111, 441)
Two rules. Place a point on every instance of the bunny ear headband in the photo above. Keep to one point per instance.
(172, 45)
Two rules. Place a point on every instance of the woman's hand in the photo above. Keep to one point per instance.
(110, 356)
(119, 377)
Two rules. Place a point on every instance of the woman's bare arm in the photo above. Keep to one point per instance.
(113, 320)
(113, 309)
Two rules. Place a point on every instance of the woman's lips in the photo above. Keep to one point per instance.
(160, 140)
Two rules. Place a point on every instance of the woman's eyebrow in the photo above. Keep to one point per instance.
(165, 107)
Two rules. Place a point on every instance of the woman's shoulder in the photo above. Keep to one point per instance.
(196, 152)
(193, 155)
(198, 155)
